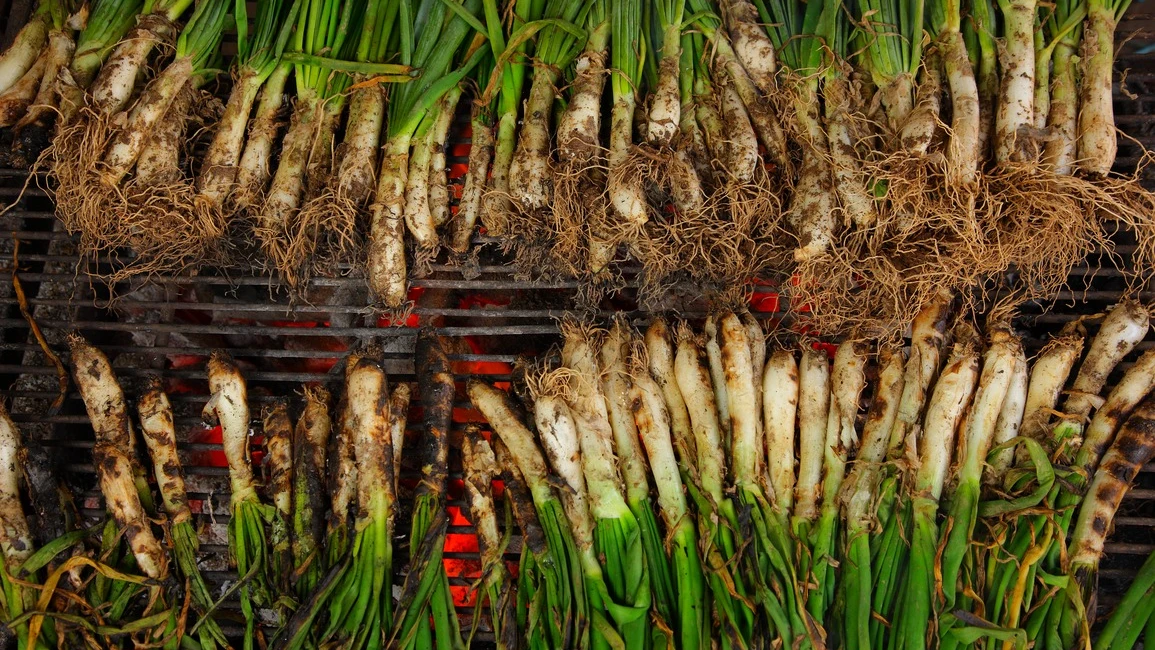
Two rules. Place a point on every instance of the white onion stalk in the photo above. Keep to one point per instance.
(741, 141)
(113, 87)
(114, 470)
(1124, 398)
(219, 170)
(927, 338)
(1060, 152)
(387, 272)
(626, 196)
(713, 347)
(254, 170)
(288, 184)
(856, 200)
(1097, 140)
(15, 535)
(747, 460)
(145, 117)
(757, 338)
(944, 412)
(159, 161)
(559, 440)
(698, 394)
(813, 411)
(357, 170)
(1048, 377)
(60, 51)
(752, 46)
(578, 129)
(665, 113)
(1003, 351)
(847, 383)
(530, 182)
(480, 159)
(615, 385)
(15, 101)
(859, 494)
(1123, 328)
(438, 167)
(1010, 419)
(963, 149)
(481, 468)
(248, 547)
(1134, 447)
(398, 417)
(278, 430)
(419, 215)
(660, 356)
(1015, 113)
(811, 215)
(24, 51)
(106, 407)
(917, 132)
(780, 410)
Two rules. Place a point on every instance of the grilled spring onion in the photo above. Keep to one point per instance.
(435, 54)
(324, 28)
(616, 384)
(258, 56)
(426, 590)
(1097, 146)
(248, 549)
(947, 406)
(858, 498)
(691, 620)
(38, 84)
(310, 445)
(279, 453)
(196, 47)
(360, 608)
(847, 384)
(998, 368)
(342, 474)
(481, 468)
(1133, 447)
(619, 538)
(104, 400)
(529, 604)
(156, 425)
(530, 177)
(558, 567)
(780, 381)
(718, 519)
(15, 535)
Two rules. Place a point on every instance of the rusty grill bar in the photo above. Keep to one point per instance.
(168, 326)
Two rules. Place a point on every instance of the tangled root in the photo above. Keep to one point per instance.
(146, 226)
(325, 234)
(1022, 228)
(713, 243)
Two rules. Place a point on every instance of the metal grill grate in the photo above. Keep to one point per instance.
(169, 324)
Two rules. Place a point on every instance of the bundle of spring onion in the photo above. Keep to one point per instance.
(857, 529)
(119, 166)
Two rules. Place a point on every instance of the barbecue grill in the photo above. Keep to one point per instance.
(490, 314)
